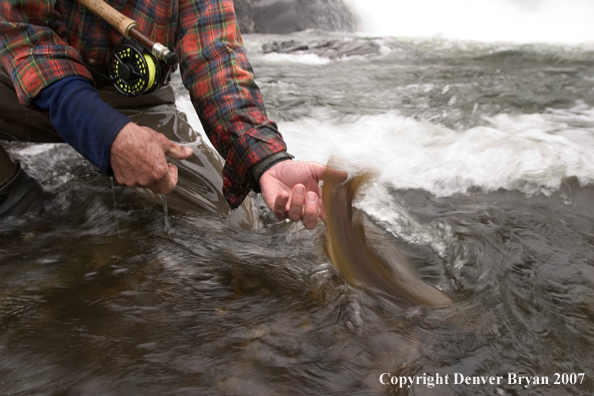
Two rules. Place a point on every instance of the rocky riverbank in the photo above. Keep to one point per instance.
(288, 16)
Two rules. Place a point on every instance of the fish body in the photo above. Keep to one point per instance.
(370, 260)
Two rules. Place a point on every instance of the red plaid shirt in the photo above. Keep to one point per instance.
(44, 41)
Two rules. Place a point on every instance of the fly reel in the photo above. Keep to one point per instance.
(134, 72)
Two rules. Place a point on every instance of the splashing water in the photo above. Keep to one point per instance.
(115, 209)
(165, 214)
(519, 21)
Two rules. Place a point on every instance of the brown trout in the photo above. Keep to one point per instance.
(370, 260)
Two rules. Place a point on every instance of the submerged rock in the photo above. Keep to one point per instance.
(288, 16)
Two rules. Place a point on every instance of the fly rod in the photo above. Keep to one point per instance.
(129, 28)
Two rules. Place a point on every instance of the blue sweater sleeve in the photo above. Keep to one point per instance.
(82, 119)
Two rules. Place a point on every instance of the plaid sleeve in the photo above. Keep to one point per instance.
(216, 71)
(31, 49)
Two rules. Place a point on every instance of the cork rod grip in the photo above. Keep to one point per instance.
(129, 29)
(121, 22)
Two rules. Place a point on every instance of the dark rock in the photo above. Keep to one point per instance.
(333, 49)
(284, 47)
(288, 16)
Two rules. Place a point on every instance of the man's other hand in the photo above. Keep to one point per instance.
(138, 159)
(291, 189)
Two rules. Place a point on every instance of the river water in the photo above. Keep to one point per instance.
(484, 154)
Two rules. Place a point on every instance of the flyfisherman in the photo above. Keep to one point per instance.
(55, 86)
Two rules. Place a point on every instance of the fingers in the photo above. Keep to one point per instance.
(161, 180)
(310, 211)
(303, 201)
(175, 151)
(297, 200)
(303, 206)
(173, 173)
(167, 183)
(280, 205)
(164, 175)
(139, 159)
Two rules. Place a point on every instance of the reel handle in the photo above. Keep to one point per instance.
(129, 28)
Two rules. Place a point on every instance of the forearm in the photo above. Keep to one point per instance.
(82, 119)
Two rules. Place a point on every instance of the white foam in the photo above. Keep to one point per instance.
(551, 21)
(531, 153)
(306, 59)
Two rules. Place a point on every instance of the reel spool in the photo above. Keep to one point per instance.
(134, 72)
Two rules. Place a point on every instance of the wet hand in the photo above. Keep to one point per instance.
(138, 159)
(291, 189)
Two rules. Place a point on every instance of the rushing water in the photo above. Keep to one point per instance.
(484, 154)
(551, 21)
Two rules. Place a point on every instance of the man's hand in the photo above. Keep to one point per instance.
(138, 159)
(291, 190)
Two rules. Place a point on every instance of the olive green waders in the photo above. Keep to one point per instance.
(200, 181)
